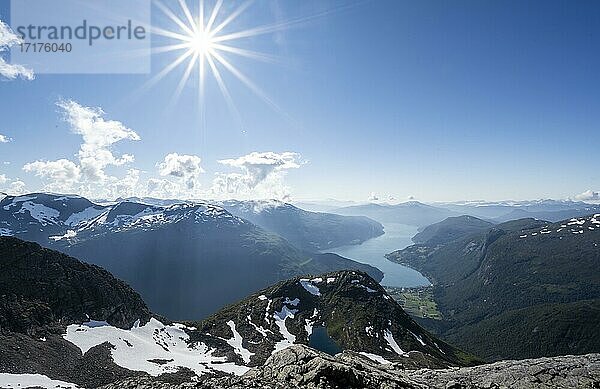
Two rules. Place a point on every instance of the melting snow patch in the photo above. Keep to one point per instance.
(267, 312)
(237, 343)
(330, 280)
(438, 347)
(293, 302)
(40, 212)
(308, 327)
(10, 381)
(262, 297)
(288, 338)
(140, 347)
(310, 288)
(392, 342)
(369, 289)
(260, 329)
(375, 358)
(85, 215)
(5, 232)
(418, 338)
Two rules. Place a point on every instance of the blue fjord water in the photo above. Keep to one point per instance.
(397, 236)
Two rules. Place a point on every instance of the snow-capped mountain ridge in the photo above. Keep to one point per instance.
(66, 217)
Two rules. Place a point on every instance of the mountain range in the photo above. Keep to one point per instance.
(520, 289)
(412, 213)
(176, 253)
(312, 231)
(422, 215)
(74, 322)
(67, 324)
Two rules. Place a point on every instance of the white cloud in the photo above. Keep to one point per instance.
(11, 71)
(88, 175)
(161, 188)
(184, 167)
(3, 179)
(373, 197)
(588, 195)
(5, 139)
(16, 188)
(98, 136)
(62, 174)
(262, 175)
(126, 186)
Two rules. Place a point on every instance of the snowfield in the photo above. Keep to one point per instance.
(154, 348)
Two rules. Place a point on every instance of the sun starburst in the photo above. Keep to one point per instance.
(206, 40)
(201, 41)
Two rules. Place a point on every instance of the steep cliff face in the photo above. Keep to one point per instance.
(41, 287)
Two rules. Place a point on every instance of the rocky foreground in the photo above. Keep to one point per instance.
(302, 367)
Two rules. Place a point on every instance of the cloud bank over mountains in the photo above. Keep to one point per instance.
(262, 174)
(99, 172)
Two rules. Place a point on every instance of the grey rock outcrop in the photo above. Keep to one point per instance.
(303, 367)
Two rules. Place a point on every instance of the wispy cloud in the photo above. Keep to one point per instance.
(11, 71)
(5, 139)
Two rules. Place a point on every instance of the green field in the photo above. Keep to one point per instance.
(416, 302)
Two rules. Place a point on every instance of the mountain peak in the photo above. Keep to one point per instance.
(343, 310)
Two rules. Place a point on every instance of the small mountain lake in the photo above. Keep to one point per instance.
(320, 340)
(372, 252)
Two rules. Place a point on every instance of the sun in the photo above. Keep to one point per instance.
(204, 47)
(206, 39)
(202, 43)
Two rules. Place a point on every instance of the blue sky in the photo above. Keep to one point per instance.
(431, 99)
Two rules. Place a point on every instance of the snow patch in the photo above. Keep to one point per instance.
(237, 343)
(418, 338)
(141, 347)
(310, 288)
(259, 329)
(308, 327)
(387, 335)
(85, 215)
(11, 381)
(40, 212)
(293, 302)
(375, 358)
(288, 338)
